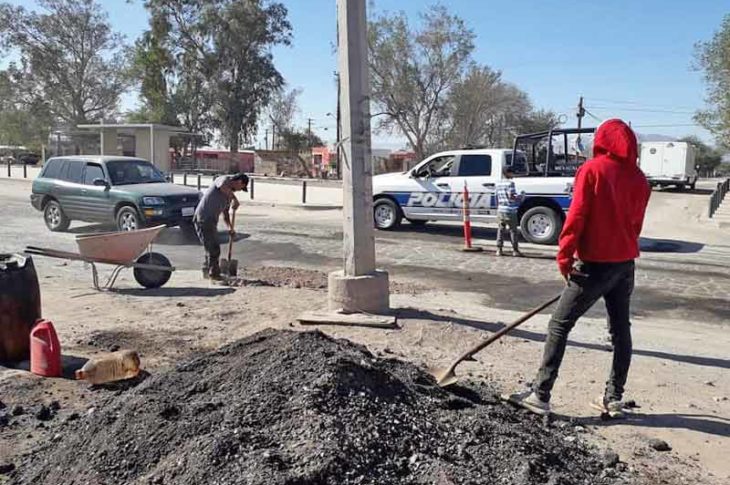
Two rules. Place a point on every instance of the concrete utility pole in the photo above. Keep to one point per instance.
(360, 287)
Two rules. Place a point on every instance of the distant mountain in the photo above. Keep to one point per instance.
(655, 137)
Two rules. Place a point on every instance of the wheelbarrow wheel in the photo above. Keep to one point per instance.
(152, 278)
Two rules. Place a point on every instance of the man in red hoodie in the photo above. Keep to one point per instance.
(598, 245)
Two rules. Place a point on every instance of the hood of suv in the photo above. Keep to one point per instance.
(157, 189)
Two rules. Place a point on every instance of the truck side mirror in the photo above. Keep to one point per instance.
(99, 182)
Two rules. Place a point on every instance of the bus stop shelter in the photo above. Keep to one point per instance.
(151, 141)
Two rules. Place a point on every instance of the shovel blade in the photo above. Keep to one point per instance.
(444, 376)
(225, 265)
(233, 267)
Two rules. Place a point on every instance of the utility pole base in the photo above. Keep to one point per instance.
(359, 294)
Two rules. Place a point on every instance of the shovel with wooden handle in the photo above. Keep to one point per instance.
(446, 376)
(230, 266)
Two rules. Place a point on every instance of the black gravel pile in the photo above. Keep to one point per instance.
(300, 408)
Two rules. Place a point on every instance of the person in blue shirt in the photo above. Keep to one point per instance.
(217, 200)
(508, 202)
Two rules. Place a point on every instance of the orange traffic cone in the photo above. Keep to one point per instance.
(467, 223)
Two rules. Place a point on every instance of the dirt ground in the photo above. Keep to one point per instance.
(445, 300)
(679, 391)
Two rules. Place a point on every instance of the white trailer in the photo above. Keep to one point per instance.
(668, 163)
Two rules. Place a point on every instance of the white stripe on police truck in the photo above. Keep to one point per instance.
(446, 199)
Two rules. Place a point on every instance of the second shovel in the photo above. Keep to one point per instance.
(230, 266)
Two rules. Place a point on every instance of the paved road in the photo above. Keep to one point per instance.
(677, 279)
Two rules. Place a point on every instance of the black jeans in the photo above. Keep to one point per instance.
(615, 283)
(207, 231)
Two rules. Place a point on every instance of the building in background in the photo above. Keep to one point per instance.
(213, 160)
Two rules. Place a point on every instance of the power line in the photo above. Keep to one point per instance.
(600, 120)
(667, 126)
(642, 104)
(643, 110)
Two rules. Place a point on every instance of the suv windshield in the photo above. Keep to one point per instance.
(125, 172)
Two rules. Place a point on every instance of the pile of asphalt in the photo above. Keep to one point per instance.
(283, 407)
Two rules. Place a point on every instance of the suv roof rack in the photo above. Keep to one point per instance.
(471, 146)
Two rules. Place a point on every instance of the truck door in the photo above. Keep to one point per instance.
(95, 200)
(476, 171)
(69, 189)
(433, 197)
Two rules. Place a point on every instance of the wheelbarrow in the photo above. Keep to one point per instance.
(126, 249)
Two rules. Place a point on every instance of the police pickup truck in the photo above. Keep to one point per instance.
(432, 190)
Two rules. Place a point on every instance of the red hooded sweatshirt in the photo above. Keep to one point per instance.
(610, 195)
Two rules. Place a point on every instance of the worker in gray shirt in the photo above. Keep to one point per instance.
(217, 199)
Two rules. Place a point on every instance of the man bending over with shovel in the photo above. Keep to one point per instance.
(602, 229)
(217, 199)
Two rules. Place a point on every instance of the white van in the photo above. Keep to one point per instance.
(669, 163)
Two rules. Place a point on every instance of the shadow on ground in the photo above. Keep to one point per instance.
(651, 245)
(69, 365)
(179, 292)
(702, 423)
(411, 313)
(675, 190)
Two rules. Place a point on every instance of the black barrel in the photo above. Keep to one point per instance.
(20, 306)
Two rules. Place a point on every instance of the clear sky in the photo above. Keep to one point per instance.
(630, 59)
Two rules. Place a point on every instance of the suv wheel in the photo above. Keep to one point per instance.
(55, 218)
(128, 219)
(386, 214)
(541, 225)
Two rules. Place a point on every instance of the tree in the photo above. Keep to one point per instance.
(222, 61)
(485, 110)
(71, 61)
(713, 57)
(414, 70)
(282, 108)
(707, 157)
(153, 63)
(21, 124)
(296, 141)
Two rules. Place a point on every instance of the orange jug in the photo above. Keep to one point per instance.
(45, 350)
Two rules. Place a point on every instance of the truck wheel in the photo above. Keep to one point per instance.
(54, 217)
(541, 225)
(386, 214)
(128, 219)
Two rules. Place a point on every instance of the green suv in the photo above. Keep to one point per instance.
(129, 192)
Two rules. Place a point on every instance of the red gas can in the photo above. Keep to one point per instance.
(45, 350)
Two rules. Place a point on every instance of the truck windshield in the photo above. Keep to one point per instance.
(126, 172)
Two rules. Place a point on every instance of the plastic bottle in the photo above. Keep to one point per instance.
(116, 367)
(45, 350)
